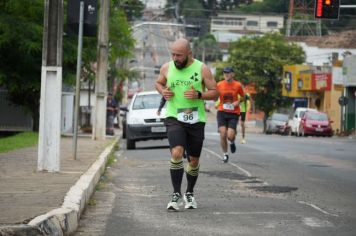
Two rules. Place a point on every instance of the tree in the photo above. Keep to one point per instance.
(276, 6)
(21, 30)
(260, 60)
(206, 48)
(21, 53)
(132, 8)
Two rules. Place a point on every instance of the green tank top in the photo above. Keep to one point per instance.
(186, 110)
(244, 104)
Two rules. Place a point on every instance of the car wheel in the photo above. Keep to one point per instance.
(268, 131)
(124, 132)
(130, 144)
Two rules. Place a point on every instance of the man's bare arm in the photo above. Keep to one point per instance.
(161, 83)
(210, 84)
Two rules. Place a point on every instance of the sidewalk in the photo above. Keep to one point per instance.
(42, 203)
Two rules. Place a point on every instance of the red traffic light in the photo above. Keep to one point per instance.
(327, 9)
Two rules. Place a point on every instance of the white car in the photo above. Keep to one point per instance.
(294, 123)
(142, 121)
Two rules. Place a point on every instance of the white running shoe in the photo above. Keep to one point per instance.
(189, 200)
(243, 141)
(225, 158)
(175, 202)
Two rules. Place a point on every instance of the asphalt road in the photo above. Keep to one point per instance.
(274, 185)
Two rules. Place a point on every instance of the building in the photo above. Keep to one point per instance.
(349, 93)
(318, 87)
(247, 23)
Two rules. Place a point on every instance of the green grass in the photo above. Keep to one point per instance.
(18, 141)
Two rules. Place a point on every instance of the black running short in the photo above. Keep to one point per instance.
(190, 136)
(229, 120)
(243, 116)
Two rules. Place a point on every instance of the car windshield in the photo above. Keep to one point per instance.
(317, 116)
(279, 117)
(148, 101)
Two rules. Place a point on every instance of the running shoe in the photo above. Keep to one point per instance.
(243, 141)
(189, 200)
(232, 147)
(185, 154)
(225, 158)
(175, 202)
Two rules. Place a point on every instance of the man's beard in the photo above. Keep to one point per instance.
(180, 66)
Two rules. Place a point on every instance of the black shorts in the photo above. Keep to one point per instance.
(229, 120)
(243, 116)
(190, 136)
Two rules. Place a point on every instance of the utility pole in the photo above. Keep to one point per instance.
(99, 126)
(51, 88)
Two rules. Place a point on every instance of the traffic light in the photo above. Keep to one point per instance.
(327, 9)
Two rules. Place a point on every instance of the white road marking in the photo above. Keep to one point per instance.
(248, 174)
(317, 208)
(253, 213)
(315, 222)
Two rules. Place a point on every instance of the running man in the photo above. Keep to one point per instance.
(244, 108)
(185, 83)
(228, 110)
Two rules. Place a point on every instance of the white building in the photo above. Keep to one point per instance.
(154, 4)
(237, 23)
(320, 56)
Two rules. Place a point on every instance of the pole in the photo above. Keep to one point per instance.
(99, 126)
(51, 88)
(77, 84)
(347, 6)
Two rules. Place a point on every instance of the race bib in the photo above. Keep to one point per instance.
(228, 106)
(188, 115)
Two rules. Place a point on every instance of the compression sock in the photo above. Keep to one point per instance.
(192, 176)
(177, 171)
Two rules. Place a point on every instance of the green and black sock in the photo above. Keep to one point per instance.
(177, 171)
(192, 176)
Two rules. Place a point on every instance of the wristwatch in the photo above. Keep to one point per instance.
(199, 94)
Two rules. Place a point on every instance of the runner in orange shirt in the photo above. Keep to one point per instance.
(228, 110)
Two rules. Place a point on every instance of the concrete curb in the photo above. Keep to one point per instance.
(64, 220)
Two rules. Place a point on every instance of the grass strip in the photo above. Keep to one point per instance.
(18, 141)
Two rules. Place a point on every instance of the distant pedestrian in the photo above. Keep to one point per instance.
(111, 112)
(244, 108)
(185, 83)
(228, 110)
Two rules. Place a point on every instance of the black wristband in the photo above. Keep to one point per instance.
(199, 94)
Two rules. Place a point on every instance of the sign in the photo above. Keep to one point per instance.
(321, 82)
(343, 101)
(90, 17)
(327, 9)
(288, 80)
(337, 77)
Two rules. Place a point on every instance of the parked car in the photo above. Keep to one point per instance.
(141, 119)
(294, 123)
(315, 123)
(278, 123)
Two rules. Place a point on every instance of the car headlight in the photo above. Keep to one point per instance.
(309, 125)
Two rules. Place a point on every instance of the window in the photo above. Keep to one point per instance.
(272, 24)
(252, 23)
(150, 101)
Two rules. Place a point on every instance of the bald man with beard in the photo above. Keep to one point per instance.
(185, 83)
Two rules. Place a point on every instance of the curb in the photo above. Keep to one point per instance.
(64, 220)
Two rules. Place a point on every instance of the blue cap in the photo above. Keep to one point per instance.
(228, 69)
